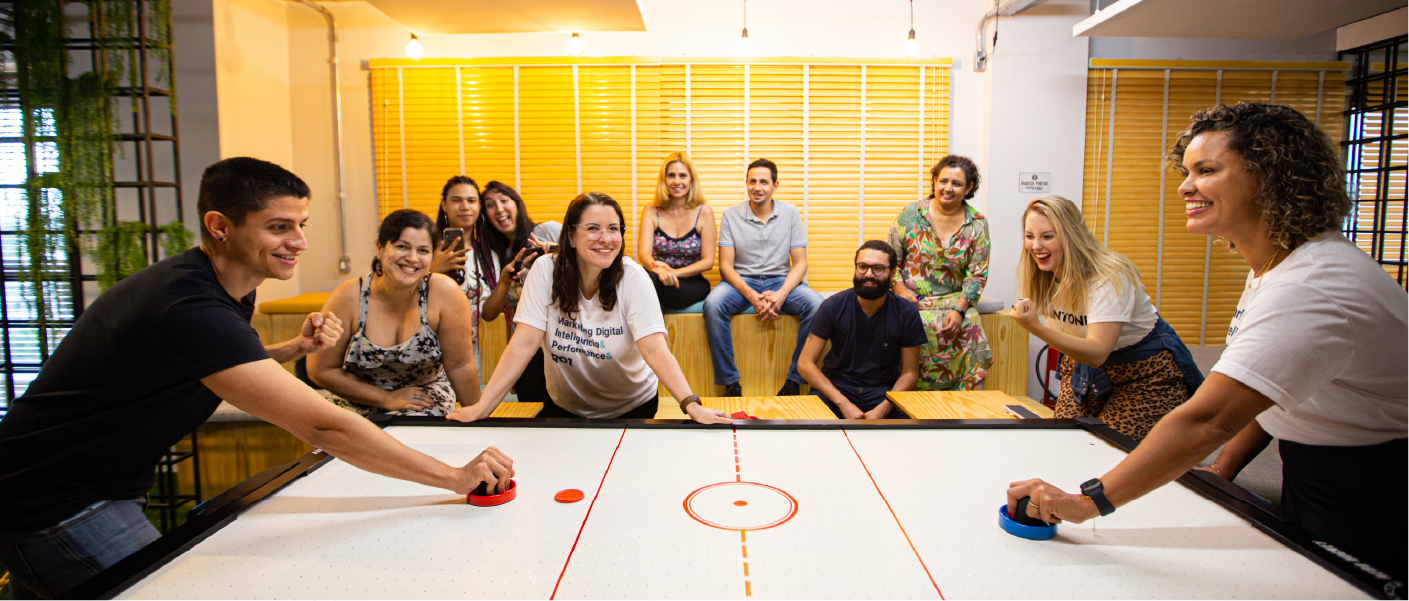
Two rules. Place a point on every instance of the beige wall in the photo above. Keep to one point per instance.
(252, 88)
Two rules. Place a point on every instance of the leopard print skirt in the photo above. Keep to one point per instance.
(1142, 392)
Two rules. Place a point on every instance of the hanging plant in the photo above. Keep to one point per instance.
(73, 118)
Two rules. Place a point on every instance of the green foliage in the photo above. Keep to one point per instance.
(76, 114)
(123, 247)
(178, 239)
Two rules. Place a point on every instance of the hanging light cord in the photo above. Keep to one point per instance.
(746, 18)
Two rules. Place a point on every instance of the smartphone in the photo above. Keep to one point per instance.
(1021, 412)
(453, 236)
(533, 253)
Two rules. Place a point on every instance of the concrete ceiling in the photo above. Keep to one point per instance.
(500, 16)
(1246, 19)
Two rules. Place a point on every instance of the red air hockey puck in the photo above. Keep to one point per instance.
(480, 497)
(571, 495)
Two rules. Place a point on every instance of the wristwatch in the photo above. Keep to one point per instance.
(687, 401)
(1093, 490)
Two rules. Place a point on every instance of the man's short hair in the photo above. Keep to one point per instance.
(238, 186)
(879, 245)
(772, 168)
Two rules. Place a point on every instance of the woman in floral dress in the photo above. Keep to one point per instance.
(943, 246)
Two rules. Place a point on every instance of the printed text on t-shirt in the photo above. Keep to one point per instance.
(580, 339)
(1063, 316)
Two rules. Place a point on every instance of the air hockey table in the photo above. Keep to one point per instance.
(758, 509)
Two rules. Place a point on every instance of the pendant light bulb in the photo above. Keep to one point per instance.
(575, 45)
(414, 49)
(911, 47)
(744, 47)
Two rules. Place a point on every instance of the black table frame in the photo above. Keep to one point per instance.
(213, 515)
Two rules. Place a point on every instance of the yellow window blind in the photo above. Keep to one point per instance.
(894, 130)
(834, 173)
(1134, 114)
(549, 172)
(487, 113)
(852, 141)
(648, 146)
(605, 93)
(431, 133)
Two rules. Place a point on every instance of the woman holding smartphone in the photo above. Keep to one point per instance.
(506, 243)
(458, 220)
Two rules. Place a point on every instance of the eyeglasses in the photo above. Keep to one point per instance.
(595, 232)
(863, 269)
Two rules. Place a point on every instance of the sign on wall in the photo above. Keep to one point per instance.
(1035, 182)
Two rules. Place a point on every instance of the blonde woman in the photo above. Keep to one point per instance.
(1121, 363)
(677, 240)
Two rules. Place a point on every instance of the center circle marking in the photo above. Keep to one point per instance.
(740, 506)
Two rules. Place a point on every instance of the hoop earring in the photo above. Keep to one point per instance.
(376, 266)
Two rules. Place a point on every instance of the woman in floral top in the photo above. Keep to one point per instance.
(943, 246)
(460, 208)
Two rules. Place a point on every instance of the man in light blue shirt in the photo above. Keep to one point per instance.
(762, 260)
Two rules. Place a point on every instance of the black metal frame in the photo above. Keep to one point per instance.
(209, 517)
(1363, 100)
(137, 142)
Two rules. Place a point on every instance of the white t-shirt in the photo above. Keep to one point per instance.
(1130, 307)
(1324, 337)
(593, 366)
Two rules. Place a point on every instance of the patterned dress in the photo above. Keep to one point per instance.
(940, 272)
(415, 362)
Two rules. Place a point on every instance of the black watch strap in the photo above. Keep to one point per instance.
(1097, 493)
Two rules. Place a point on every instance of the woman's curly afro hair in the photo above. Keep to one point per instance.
(1301, 184)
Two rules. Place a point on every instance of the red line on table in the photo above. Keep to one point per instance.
(589, 514)
(892, 513)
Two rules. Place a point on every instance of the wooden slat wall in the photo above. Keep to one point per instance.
(544, 127)
(1133, 118)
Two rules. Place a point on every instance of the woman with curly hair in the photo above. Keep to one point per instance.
(1121, 363)
(594, 312)
(943, 246)
(1316, 350)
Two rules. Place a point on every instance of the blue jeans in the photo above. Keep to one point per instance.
(725, 302)
(48, 563)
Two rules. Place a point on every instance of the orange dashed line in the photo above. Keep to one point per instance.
(743, 539)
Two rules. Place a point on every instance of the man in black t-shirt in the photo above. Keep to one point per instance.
(875, 336)
(149, 361)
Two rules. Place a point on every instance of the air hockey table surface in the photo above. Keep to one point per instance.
(904, 509)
